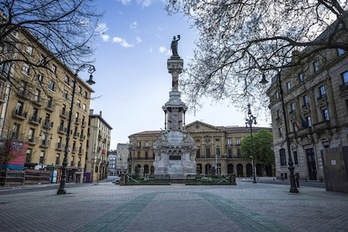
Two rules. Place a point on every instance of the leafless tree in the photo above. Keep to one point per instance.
(240, 41)
(64, 28)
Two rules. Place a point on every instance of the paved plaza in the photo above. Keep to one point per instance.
(109, 207)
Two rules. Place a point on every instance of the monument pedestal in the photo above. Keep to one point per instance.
(174, 151)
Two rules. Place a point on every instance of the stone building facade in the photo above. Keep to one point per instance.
(316, 103)
(216, 146)
(122, 158)
(35, 108)
(99, 136)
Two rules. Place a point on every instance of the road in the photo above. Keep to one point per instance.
(109, 207)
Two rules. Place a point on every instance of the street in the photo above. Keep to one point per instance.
(109, 207)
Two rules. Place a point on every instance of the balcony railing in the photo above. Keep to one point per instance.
(19, 114)
(62, 129)
(35, 119)
(64, 113)
(321, 126)
(60, 146)
(50, 106)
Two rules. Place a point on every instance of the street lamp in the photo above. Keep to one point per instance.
(91, 69)
(293, 188)
(249, 121)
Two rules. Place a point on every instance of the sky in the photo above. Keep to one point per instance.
(132, 80)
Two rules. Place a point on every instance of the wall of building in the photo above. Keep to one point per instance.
(216, 147)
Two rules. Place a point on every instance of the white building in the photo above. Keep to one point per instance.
(122, 157)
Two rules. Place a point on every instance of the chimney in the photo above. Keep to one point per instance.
(91, 111)
(100, 113)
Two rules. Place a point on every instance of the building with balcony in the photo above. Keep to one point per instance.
(34, 108)
(316, 106)
(99, 136)
(216, 146)
(112, 158)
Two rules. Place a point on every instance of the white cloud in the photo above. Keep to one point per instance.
(125, 2)
(122, 42)
(105, 38)
(133, 25)
(145, 3)
(138, 39)
(163, 50)
(117, 40)
(102, 28)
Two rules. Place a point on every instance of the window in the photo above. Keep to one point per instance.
(340, 51)
(52, 84)
(28, 155)
(57, 159)
(315, 66)
(29, 50)
(25, 69)
(288, 85)
(35, 114)
(295, 157)
(280, 132)
(278, 114)
(49, 102)
(276, 94)
(66, 80)
(22, 87)
(301, 76)
(86, 94)
(282, 157)
(146, 155)
(39, 78)
(217, 151)
(207, 152)
(54, 68)
(237, 141)
(78, 103)
(37, 96)
(84, 107)
(31, 134)
(345, 78)
(77, 116)
(322, 91)
(79, 90)
(65, 94)
(229, 141)
(292, 107)
(42, 157)
(309, 121)
(305, 99)
(326, 116)
(42, 60)
(198, 153)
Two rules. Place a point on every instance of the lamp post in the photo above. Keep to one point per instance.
(91, 69)
(293, 188)
(249, 121)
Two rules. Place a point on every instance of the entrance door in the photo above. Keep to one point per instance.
(312, 168)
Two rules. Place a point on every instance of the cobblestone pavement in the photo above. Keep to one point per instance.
(109, 207)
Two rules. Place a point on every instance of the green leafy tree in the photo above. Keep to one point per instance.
(260, 148)
(239, 41)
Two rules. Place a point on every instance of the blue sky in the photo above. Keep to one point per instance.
(132, 80)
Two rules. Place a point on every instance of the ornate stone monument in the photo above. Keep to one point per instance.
(174, 150)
